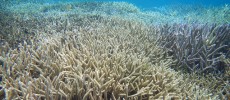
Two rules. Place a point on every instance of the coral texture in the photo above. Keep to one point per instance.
(94, 64)
(110, 50)
(197, 48)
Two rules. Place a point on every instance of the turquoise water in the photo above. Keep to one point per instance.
(146, 3)
(158, 3)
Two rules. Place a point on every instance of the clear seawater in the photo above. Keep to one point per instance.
(146, 3)
(159, 3)
(151, 11)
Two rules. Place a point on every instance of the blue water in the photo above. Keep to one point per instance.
(159, 3)
(142, 4)
(149, 3)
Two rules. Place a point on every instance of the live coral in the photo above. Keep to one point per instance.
(101, 55)
(92, 64)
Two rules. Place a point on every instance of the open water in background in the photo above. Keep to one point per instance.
(158, 3)
(148, 4)
(143, 4)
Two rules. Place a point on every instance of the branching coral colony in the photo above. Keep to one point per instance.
(94, 63)
(99, 57)
(197, 48)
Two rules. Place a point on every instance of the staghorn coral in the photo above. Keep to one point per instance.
(227, 61)
(21, 21)
(197, 48)
(92, 55)
(94, 63)
(216, 85)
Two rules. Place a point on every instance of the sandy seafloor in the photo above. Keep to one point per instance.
(114, 50)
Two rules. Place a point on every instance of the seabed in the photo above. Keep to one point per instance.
(113, 51)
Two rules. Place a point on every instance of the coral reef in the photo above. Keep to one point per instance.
(94, 63)
(197, 48)
(112, 50)
(168, 14)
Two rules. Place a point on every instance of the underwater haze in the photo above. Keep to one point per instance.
(158, 3)
(115, 50)
(146, 3)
